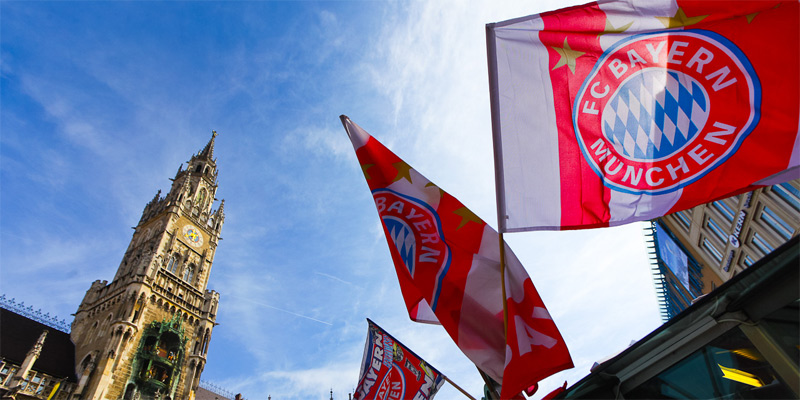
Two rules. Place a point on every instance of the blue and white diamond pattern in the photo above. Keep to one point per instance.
(655, 113)
(403, 239)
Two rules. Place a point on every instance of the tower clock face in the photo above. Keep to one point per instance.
(193, 235)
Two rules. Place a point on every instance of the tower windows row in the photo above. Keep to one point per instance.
(173, 266)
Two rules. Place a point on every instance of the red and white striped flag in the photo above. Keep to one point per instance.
(448, 264)
(621, 111)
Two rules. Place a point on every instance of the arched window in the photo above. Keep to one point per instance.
(130, 391)
(188, 274)
(92, 329)
(172, 265)
(87, 366)
(201, 198)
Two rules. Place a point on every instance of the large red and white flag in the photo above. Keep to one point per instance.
(621, 111)
(448, 264)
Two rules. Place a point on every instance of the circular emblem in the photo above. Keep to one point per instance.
(661, 110)
(193, 235)
(416, 232)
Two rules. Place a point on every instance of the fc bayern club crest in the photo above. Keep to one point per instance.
(414, 228)
(661, 110)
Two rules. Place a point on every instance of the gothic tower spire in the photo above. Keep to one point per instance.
(208, 151)
(147, 331)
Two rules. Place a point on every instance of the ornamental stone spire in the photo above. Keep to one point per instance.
(208, 151)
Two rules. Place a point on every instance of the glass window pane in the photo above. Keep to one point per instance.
(783, 326)
(781, 227)
(712, 250)
(789, 194)
(729, 367)
(762, 244)
(724, 209)
(717, 230)
(683, 218)
(41, 387)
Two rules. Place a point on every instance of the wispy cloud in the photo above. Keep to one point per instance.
(261, 304)
(333, 277)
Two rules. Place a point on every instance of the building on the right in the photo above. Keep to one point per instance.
(738, 342)
(695, 250)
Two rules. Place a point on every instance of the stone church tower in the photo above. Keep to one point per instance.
(145, 335)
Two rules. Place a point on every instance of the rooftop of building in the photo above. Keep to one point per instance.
(18, 334)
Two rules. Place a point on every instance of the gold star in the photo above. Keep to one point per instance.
(441, 192)
(364, 168)
(466, 216)
(568, 56)
(403, 171)
(680, 19)
(751, 17)
(611, 29)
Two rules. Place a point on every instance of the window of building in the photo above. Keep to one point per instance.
(6, 372)
(33, 383)
(712, 250)
(762, 244)
(685, 221)
(724, 209)
(747, 260)
(717, 230)
(789, 194)
(728, 367)
(130, 391)
(37, 384)
(678, 290)
(172, 265)
(188, 273)
(201, 198)
(781, 227)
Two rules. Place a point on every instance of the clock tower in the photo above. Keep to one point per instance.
(145, 334)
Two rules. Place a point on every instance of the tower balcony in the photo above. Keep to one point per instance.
(160, 355)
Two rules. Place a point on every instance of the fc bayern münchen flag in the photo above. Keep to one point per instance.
(390, 371)
(621, 111)
(448, 264)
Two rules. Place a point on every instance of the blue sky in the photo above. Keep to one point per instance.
(102, 101)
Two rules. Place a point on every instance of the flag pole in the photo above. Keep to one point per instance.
(503, 284)
(490, 384)
(499, 180)
(457, 387)
(497, 141)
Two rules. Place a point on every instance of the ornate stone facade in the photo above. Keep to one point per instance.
(145, 335)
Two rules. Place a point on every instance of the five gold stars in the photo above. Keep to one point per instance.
(404, 172)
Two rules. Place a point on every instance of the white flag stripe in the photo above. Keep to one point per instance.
(527, 97)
